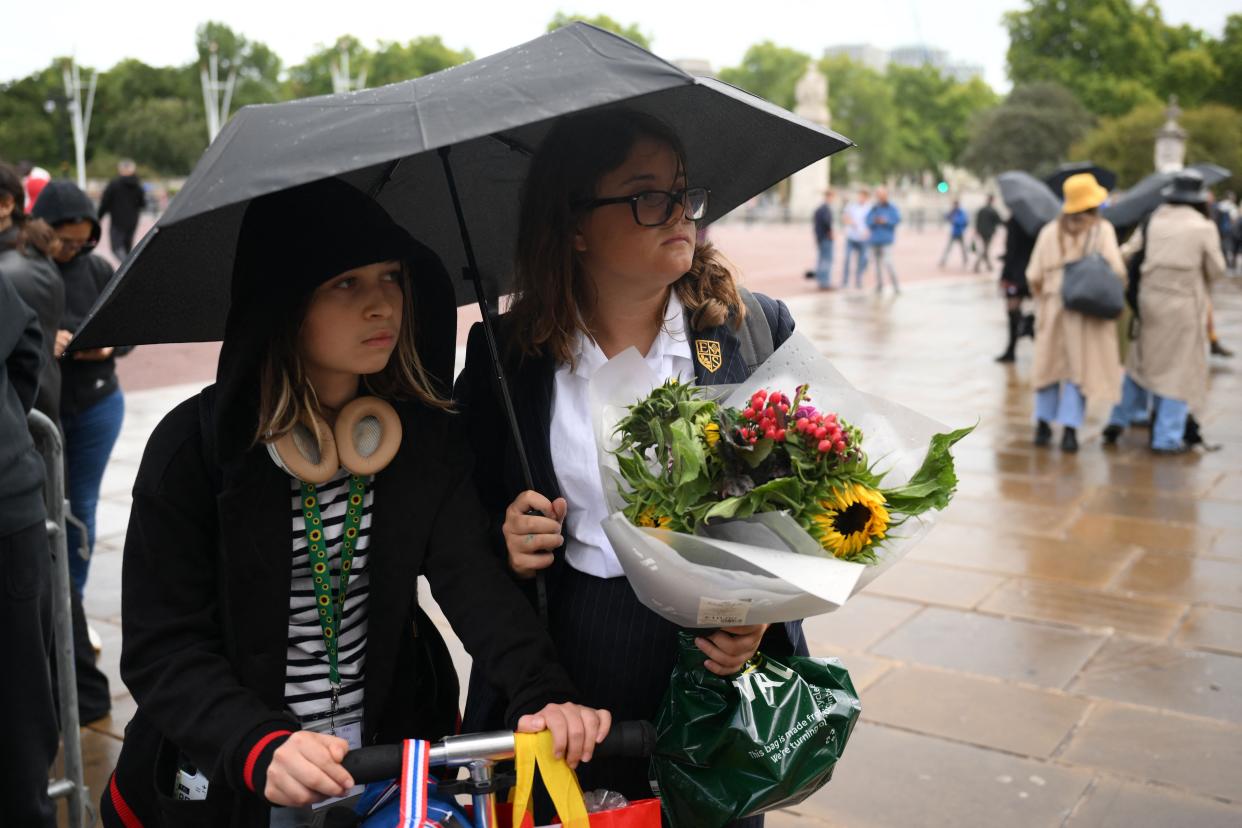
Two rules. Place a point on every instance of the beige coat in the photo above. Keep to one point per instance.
(1170, 355)
(1071, 347)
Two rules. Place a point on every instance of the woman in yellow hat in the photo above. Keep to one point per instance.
(1076, 356)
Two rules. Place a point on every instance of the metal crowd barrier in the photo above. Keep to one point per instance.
(72, 785)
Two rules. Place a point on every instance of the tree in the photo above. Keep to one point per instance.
(165, 134)
(394, 62)
(1110, 53)
(1227, 54)
(603, 21)
(314, 75)
(1032, 130)
(934, 115)
(257, 66)
(27, 128)
(1126, 144)
(769, 71)
(863, 110)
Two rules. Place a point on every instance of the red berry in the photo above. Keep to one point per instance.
(780, 434)
(821, 433)
(824, 446)
(840, 445)
(770, 434)
(802, 423)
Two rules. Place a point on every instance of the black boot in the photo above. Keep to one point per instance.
(1015, 320)
(1111, 434)
(1028, 326)
(1043, 433)
(1069, 440)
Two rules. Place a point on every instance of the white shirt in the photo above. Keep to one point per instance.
(856, 214)
(574, 454)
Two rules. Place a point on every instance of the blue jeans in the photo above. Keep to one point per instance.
(883, 254)
(823, 267)
(1169, 429)
(1060, 403)
(89, 438)
(858, 249)
(1134, 408)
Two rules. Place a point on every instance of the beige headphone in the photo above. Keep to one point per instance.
(364, 441)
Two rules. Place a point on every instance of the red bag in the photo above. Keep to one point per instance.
(534, 750)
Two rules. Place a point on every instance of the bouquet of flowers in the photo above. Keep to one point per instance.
(745, 505)
(688, 461)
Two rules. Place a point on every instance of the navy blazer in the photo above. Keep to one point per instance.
(498, 473)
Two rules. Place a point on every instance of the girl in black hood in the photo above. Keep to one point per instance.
(281, 519)
(92, 406)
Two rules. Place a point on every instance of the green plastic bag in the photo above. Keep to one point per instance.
(766, 738)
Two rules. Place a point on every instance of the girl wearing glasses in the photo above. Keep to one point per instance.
(607, 259)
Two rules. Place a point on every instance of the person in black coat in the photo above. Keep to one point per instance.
(25, 245)
(1018, 247)
(123, 199)
(244, 665)
(31, 731)
(606, 260)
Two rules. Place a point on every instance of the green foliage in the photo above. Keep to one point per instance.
(1125, 144)
(1032, 129)
(934, 116)
(394, 62)
(861, 101)
(603, 21)
(167, 134)
(1116, 55)
(314, 75)
(1227, 53)
(257, 66)
(769, 71)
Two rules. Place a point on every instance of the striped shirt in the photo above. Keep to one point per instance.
(308, 690)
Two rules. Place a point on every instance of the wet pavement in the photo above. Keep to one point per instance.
(1065, 648)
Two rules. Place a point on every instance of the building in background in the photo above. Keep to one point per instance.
(878, 59)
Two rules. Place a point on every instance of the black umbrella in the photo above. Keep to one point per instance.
(1104, 176)
(1029, 199)
(1132, 206)
(442, 153)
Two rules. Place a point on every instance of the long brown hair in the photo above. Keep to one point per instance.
(550, 291)
(30, 231)
(287, 398)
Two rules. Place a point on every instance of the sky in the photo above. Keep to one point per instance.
(99, 33)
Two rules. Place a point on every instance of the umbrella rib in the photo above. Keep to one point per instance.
(390, 170)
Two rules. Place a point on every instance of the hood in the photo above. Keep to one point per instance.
(61, 202)
(290, 243)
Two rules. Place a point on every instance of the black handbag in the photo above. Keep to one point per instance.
(1090, 287)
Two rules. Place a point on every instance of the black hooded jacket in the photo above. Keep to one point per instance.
(83, 382)
(21, 469)
(123, 199)
(206, 581)
(39, 284)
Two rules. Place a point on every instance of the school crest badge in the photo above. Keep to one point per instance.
(708, 351)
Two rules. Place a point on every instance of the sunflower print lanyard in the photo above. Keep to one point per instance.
(331, 607)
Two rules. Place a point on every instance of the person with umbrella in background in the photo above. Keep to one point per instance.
(606, 261)
(986, 222)
(1031, 205)
(1168, 358)
(1076, 356)
(327, 398)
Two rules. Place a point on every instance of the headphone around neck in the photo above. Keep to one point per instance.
(364, 440)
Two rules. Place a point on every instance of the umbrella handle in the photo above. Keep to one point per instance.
(471, 272)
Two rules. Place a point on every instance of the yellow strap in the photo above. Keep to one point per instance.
(531, 749)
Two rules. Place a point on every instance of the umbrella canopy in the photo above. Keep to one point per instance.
(1030, 200)
(489, 115)
(1104, 176)
(1134, 204)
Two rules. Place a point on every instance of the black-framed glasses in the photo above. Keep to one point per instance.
(74, 246)
(653, 208)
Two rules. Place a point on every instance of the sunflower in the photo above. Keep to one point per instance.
(853, 518)
(649, 518)
(711, 433)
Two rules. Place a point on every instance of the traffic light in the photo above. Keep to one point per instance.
(943, 187)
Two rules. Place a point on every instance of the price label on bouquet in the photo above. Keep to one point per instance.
(714, 612)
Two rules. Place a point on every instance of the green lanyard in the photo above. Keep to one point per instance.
(331, 607)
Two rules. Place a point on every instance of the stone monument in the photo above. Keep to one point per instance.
(1171, 141)
(806, 187)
